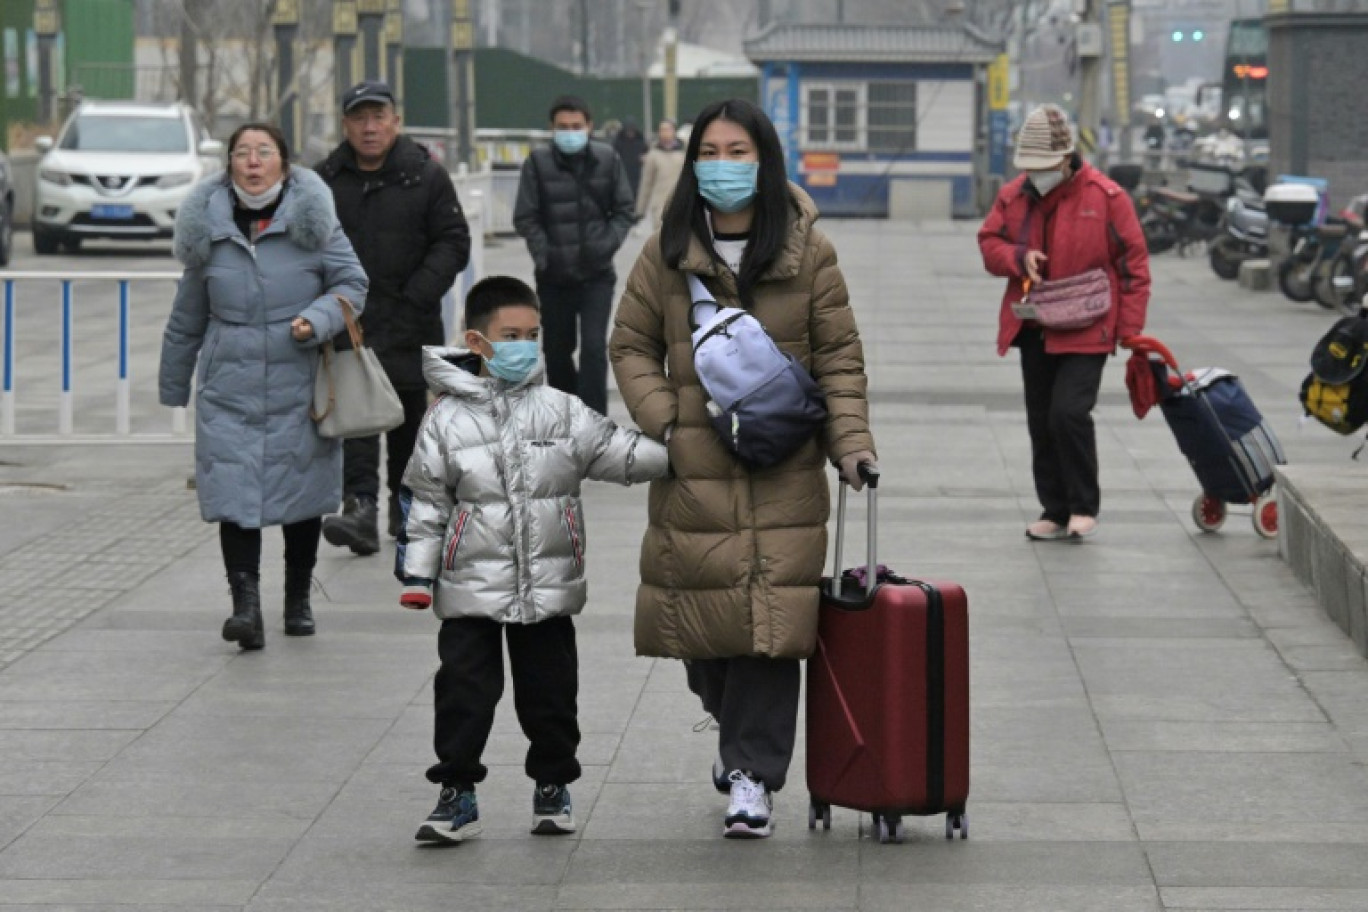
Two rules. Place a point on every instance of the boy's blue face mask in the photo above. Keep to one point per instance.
(728, 186)
(513, 359)
(570, 142)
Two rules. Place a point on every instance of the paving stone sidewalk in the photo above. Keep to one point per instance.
(1162, 719)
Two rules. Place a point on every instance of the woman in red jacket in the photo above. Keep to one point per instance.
(1062, 217)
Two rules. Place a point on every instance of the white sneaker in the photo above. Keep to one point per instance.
(750, 813)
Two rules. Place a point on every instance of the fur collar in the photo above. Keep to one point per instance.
(206, 216)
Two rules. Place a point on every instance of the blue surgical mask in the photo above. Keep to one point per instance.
(570, 141)
(728, 186)
(513, 358)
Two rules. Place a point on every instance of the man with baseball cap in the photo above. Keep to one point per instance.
(1062, 217)
(400, 212)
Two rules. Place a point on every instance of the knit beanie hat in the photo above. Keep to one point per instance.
(1045, 139)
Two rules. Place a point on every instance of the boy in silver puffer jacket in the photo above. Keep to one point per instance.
(493, 539)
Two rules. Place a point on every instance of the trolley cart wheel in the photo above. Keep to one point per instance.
(818, 810)
(957, 822)
(1209, 513)
(890, 829)
(1266, 515)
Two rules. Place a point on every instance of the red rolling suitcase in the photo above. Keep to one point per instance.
(888, 695)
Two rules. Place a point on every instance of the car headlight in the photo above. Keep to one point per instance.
(53, 176)
(179, 179)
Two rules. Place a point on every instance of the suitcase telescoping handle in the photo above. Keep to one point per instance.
(870, 474)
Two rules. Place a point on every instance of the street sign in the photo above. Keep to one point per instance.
(46, 20)
(286, 13)
(1119, 34)
(344, 17)
(462, 35)
(999, 83)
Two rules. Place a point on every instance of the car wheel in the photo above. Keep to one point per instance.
(6, 234)
(44, 244)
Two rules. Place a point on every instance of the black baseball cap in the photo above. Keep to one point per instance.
(372, 90)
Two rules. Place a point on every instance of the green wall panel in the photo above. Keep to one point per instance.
(18, 93)
(513, 92)
(99, 47)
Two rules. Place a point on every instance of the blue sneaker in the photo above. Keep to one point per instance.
(455, 819)
(552, 814)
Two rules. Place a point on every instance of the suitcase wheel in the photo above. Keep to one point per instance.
(1209, 513)
(957, 821)
(890, 828)
(818, 810)
(1266, 515)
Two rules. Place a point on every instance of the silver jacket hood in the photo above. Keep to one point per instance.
(491, 496)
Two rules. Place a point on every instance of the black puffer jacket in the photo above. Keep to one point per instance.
(574, 210)
(406, 225)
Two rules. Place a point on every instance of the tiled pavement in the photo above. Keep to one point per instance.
(1161, 719)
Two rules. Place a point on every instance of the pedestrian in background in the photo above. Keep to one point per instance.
(1062, 217)
(403, 217)
(575, 208)
(265, 261)
(732, 556)
(494, 543)
(660, 173)
(630, 145)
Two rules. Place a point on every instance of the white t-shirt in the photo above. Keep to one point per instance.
(731, 247)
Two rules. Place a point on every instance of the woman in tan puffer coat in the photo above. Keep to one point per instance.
(732, 557)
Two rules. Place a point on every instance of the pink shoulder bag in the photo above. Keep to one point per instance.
(1069, 303)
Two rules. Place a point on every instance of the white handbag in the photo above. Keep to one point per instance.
(352, 396)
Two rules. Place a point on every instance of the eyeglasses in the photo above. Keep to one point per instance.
(263, 153)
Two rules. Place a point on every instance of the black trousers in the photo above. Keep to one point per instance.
(755, 703)
(361, 455)
(242, 547)
(576, 316)
(1061, 391)
(470, 682)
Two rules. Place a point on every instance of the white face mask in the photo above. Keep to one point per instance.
(1045, 181)
(258, 200)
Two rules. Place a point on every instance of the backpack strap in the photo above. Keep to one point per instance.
(704, 306)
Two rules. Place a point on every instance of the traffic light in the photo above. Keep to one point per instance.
(1198, 35)
(1177, 35)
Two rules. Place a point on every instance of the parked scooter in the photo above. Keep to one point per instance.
(1184, 218)
(1346, 278)
(1304, 274)
(1244, 232)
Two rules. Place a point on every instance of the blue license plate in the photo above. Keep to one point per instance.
(111, 212)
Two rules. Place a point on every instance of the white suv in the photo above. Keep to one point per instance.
(119, 170)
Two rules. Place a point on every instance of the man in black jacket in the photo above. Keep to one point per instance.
(401, 214)
(575, 208)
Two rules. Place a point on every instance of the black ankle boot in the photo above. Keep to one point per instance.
(299, 620)
(245, 627)
(355, 527)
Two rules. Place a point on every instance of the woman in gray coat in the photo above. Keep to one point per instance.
(265, 262)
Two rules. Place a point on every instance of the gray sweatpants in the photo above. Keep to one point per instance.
(755, 703)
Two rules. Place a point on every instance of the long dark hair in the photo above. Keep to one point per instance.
(686, 217)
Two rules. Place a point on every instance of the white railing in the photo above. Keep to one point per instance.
(66, 407)
(120, 429)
